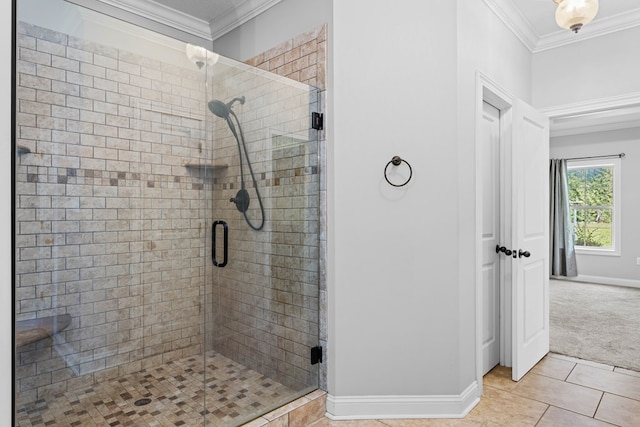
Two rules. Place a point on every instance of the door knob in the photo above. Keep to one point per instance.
(522, 253)
(503, 250)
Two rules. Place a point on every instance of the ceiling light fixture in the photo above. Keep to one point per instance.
(200, 56)
(574, 14)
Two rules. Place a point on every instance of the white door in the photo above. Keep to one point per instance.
(530, 237)
(490, 172)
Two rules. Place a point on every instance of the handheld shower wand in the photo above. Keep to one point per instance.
(242, 199)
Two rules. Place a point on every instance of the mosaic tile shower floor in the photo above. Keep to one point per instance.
(233, 393)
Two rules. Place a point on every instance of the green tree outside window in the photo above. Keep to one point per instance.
(591, 205)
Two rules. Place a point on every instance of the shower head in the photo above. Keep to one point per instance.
(221, 109)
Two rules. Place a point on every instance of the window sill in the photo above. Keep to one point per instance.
(598, 252)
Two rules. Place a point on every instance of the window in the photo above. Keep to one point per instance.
(594, 205)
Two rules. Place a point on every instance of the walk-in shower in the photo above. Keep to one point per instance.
(242, 199)
(124, 164)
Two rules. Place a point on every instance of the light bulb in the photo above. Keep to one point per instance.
(574, 14)
(200, 56)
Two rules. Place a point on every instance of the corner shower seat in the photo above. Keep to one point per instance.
(32, 330)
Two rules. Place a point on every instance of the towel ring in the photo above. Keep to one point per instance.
(396, 160)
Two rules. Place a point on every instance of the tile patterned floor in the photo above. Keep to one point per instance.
(233, 392)
(559, 391)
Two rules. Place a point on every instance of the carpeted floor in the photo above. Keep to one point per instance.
(595, 322)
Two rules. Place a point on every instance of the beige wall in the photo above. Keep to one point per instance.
(302, 58)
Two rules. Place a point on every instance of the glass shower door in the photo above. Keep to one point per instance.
(264, 305)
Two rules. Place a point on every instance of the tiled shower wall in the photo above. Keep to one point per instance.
(304, 59)
(110, 225)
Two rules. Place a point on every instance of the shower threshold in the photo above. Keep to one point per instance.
(232, 394)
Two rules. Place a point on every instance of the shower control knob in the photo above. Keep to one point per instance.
(241, 200)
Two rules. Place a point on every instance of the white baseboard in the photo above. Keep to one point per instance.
(601, 280)
(386, 407)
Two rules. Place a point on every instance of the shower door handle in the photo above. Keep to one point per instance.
(225, 243)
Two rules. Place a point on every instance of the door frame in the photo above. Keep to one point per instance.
(489, 91)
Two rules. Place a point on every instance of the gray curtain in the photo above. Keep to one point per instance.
(563, 255)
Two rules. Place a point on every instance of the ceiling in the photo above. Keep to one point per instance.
(533, 21)
(206, 10)
(206, 19)
(541, 13)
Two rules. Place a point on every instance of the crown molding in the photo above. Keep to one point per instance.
(162, 14)
(227, 21)
(601, 104)
(596, 28)
(597, 115)
(515, 21)
(522, 29)
(626, 118)
(237, 16)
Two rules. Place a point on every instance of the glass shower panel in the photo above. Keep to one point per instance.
(127, 155)
(264, 300)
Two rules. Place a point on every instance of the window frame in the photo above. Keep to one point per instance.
(616, 216)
